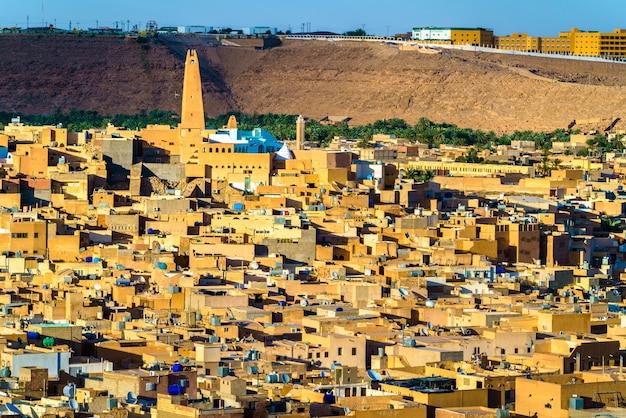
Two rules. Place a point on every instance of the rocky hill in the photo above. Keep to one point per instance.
(113, 75)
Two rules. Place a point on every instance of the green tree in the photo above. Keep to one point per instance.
(418, 175)
(356, 32)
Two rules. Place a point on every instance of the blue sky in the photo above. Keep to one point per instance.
(535, 17)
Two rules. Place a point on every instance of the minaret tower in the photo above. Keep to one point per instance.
(192, 115)
(300, 125)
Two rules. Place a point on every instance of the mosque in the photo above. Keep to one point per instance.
(257, 141)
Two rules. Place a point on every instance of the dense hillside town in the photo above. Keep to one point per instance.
(190, 271)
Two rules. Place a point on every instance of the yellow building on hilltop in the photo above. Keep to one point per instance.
(454, 36)
(574, 42)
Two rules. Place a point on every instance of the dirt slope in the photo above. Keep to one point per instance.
(363, 81)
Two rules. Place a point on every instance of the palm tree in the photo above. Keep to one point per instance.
(418, 175)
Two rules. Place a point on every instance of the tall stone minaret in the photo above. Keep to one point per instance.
(192, 115)
(300, 125)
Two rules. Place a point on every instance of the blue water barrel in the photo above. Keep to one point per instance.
(238, 206)
(86, 135)
(150, 231)
(329, 398)
(271, 378)
(340, 309)
(44, 287)
(197, 223)
(175, 390)
(282, 303)
(96, 259)
(32, 335)
(177, 367)
(162, 266)
(88, 259)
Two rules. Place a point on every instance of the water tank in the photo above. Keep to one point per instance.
(381, 352)
(48, 342)
(410, 342)
(576, 403)
(222, 371)
(214, 338)
(430, 304)
(253, 369)
(271, 378)
(329, 398)
(5, 372)
(32, 335)
(215, 321)
(177, 367)
(175, 390)
(254, 355)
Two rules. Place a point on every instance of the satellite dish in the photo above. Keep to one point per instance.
(374, 375)
(335, 275)
(346, 410)
(97, 286)
(74, 404)
(254, 265)
(304, 303)
(403, 292)
(285, 378)
(131, 397)
(69, 390)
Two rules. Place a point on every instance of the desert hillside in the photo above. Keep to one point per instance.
(366, 82)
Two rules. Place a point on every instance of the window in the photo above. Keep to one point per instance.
(326, 354)
(354, 351)
(36, 234)
(19, 235)
(339, 351)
